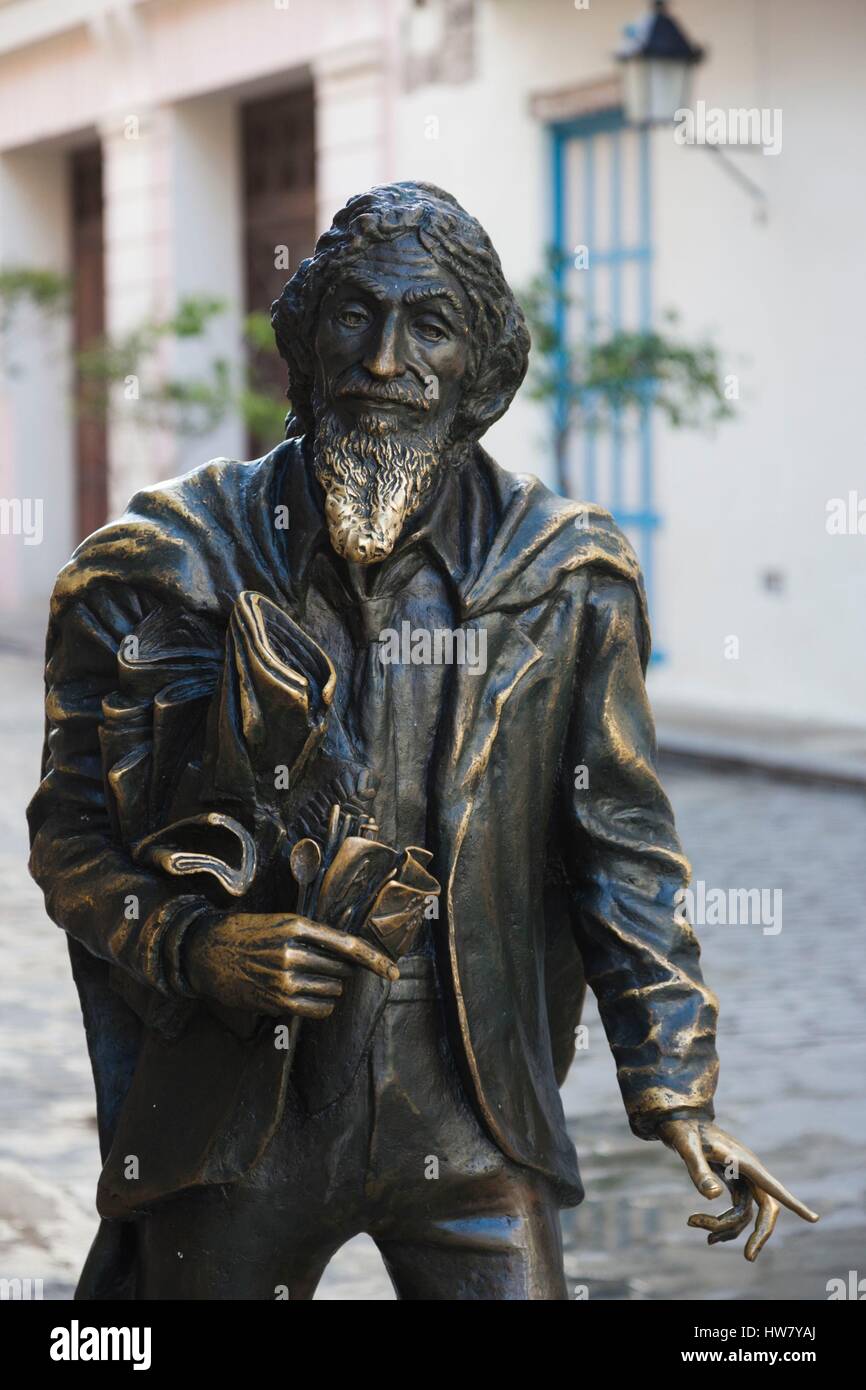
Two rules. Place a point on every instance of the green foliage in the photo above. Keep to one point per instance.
(21, 287)
(594, 382)
(259, 333)
(683, 382)
(124, 373)
(125, 370)
(193, 316)
(262, 406)
(263, 415)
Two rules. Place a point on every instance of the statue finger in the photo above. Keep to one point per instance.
(306, 959)
(302, 985)
(750, 1167)
(768, 1212)
(349, 947)
(305, 1006)
(686, 1141)
(278, 993)
(728, 1224)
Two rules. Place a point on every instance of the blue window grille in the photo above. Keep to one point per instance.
(601, 227)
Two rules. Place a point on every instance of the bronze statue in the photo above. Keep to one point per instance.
(349, 786)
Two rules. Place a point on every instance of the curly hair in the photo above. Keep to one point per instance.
(499, 338)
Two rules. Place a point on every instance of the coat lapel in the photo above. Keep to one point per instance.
(478, 700)
(540, 539)
(475, 718)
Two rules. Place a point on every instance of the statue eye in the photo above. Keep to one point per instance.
(431, 331)
(353, 316)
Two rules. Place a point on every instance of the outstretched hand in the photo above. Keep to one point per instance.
(707, 1151)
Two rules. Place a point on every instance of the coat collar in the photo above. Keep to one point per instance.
(451, 527)
(504, 538)
(197, 541)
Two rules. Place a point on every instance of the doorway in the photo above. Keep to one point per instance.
(279, 214)
(88, 327)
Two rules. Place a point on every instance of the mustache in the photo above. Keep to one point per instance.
(359, 383)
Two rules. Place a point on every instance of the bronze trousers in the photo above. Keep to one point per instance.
(401, 1156)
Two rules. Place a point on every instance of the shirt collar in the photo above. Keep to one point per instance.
(437, 526)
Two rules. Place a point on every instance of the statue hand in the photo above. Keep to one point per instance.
(704, 1147)
(276, 963)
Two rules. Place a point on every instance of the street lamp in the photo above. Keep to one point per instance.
(657, 59)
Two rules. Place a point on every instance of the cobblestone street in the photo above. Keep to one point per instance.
(792, 1040)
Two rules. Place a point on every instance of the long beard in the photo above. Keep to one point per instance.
(374, 479)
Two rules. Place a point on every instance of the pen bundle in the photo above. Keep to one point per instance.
(357, 884)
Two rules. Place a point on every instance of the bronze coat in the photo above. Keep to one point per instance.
(544, 880)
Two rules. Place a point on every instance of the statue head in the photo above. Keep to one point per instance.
(404, 343)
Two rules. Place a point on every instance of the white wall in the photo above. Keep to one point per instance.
(208, 255)
(137, 199)
(36, 423)
(353, 147)
(787, 301)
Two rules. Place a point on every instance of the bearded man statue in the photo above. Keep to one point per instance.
(330, 914)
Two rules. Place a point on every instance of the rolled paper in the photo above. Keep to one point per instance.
(358, 870)
(397, 932)
(169, 646)
(212, 844)
(413, 870)
(168, 669)
(179, 710)
(275, 693)
(397, 912)
(128, 781)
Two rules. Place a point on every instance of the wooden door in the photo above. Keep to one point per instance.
(279, 183)
(88, 300)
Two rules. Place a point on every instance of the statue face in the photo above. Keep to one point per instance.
(392, 340)
(392, 349)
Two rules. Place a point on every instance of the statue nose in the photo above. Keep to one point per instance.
(384, 359)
